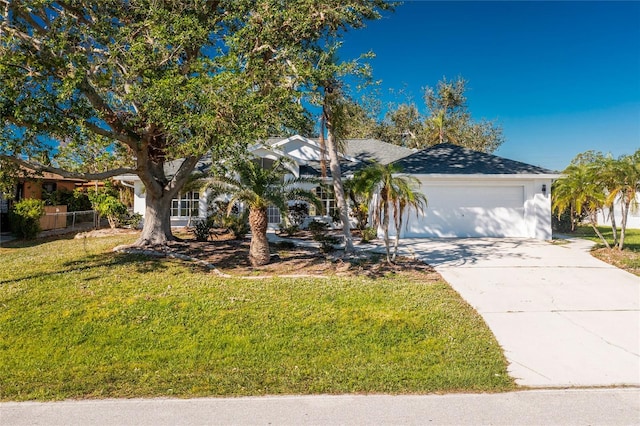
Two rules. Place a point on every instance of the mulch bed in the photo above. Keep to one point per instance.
(230, 256)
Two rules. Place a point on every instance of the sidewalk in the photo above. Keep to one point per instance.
(542, 407)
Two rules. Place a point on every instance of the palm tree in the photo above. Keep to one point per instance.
(258, 188)
(624, 185)
(581, 191)
(390, 193)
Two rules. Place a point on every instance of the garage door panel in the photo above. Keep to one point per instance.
(455, 211)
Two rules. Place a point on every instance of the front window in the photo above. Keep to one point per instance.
(327, 200)
(273, 214)
(186, 205)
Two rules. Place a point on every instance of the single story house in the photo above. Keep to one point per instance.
(470, 193)
(633, 218)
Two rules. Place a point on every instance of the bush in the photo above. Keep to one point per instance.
(200, 230)
(109, 206)
(289, 231)
(319, 231)
(25, 218)
(369, 234)
(298, 212)
(238, 225)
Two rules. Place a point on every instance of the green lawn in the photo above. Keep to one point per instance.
(77, 321)
(628, 259)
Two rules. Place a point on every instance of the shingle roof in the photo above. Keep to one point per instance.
(454, 159)
(375, 150)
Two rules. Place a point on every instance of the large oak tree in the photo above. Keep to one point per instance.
(160, 80)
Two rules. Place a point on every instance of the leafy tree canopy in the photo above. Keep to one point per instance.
(142, 82)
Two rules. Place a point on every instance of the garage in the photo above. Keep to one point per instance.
(469, 211)
(474, 194)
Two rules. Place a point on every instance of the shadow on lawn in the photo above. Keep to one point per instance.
(142, 264)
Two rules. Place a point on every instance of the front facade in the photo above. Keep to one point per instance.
(633, 218)
(473, 194)
(470, 194)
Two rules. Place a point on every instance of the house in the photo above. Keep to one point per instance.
(474, 194)
(40, 186)
(470, 194)
(633, 218)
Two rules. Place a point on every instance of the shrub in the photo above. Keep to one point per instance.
(25, 217)
(369, 234)
(319, 231)
(298, 212)
(289, 231)
(109, 206)
(238, 225)
(200, 230)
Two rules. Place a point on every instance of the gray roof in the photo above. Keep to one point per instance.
(457, 160)
(365, 149)
(375, 150)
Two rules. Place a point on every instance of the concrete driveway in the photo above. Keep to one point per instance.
(562, 317)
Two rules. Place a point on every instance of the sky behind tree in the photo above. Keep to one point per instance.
(560, 77)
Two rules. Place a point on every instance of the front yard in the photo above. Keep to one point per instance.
(78, 321)
(627, 259)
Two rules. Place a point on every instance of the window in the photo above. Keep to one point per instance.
(273, 214)
(186, 205)
(327, 200)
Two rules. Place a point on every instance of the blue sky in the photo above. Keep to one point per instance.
(560, 77)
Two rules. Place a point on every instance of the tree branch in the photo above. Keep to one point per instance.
(67, 174)
(109, 116)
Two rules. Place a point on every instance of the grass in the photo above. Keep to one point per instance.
(77, 321)
(627, 259)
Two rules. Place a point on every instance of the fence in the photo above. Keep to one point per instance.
(73, 220)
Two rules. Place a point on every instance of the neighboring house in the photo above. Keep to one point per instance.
(633, 219)
(470, 194)
(39, 186)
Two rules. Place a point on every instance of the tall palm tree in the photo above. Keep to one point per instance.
(258, 188)
(581, 191)
(624, 184)
(389, 193)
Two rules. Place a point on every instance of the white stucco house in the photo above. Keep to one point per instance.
(633, 218)
(470, 194)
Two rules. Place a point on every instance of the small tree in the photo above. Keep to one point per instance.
(389, 193)
(107, 204)
(25, 217)
(580, 191)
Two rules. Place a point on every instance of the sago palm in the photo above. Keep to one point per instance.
(258, 188)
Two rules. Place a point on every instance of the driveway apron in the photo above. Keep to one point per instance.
(562, 317)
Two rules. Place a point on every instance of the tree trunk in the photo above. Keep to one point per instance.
(385, 229)
(593, 220)
(157, 221)
(159, 193)
(259, 249)
(614, 228)
(338, 189)
(626, 205)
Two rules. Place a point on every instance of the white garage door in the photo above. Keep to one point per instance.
(470, 211)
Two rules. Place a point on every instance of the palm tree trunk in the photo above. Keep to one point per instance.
(614, 228)
(338, 189)
(593, 220)
(623, 226)
(398, 222)
(259, 249)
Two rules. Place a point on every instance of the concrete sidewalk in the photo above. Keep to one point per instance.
(543, 407)
(563, 317)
